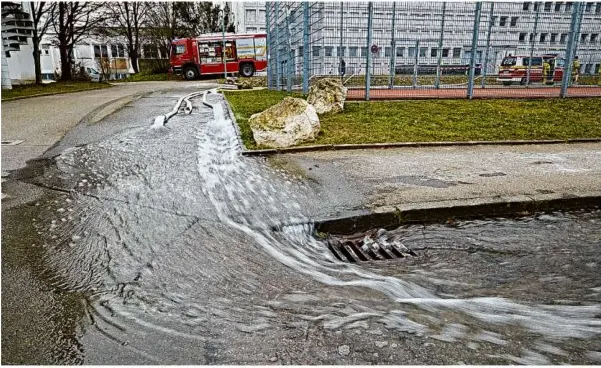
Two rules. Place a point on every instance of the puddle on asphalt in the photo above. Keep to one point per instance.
(167, 235)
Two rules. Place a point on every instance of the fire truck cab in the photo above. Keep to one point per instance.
(244, 54)
(514, 69)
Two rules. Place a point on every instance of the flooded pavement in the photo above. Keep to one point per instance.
(163, 245)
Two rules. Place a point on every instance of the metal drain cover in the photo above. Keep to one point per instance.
(12, 143)
(363, 248)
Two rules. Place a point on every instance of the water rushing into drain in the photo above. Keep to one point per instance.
(168, 229)
(222, 169)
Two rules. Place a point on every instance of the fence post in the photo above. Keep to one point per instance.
(340, 52)
(571, 49)
(484, 71)
(537, 5)
(392, 47)
(223, 53)
(278, 65)
(269, 61)
(470, 82)
(370, 13)
(415, 61)
(290, 56)
(440, 40)
(305, 47)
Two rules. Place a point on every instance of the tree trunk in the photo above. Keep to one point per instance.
(63, 46)
(65, 65)
(134, 61)
(36, 60)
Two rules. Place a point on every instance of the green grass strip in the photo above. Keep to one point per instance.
(437, 120)
(33, 90)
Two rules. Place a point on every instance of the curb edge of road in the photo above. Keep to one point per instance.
(234, 122)
(358, 146)
(460, 210)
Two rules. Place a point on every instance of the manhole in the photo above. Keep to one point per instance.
(12, 143)
(363, 248)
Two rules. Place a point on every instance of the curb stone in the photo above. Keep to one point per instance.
(233, 120)
(359, 146)
(432, 213)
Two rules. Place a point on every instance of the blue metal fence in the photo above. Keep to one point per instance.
(408, 49)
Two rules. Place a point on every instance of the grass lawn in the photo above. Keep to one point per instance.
(437, 120)
(32, 90)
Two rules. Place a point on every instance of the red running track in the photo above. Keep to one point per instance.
(460, 93)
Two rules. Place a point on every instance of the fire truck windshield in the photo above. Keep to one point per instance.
(509, 61)
(178, 49)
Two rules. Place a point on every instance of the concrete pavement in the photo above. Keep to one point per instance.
(42, 121)
(359, 181)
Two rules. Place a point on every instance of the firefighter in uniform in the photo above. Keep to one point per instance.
(575, 70)
(546, 71)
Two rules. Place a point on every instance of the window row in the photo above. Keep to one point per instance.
(355, 51)
(589, 7)
(251, 16)
(117, 50)
(254, 29)
(558, 38)
(504, 21)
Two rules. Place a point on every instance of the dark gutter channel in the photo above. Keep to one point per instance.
(393, 219)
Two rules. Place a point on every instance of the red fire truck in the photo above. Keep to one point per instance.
(244, 54)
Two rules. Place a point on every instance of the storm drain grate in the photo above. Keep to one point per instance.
(12, 143)
(363, 249)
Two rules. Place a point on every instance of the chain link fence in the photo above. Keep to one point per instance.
(387, 50)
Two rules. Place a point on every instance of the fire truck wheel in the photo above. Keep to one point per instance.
(507, 83)
(190, 73)
(247, 70)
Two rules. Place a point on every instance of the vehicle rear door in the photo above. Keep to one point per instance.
(536, 68)
(560, 64)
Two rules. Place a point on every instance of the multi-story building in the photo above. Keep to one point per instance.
(108, 57)
(249, 16)
(409, 33)
(17, 58)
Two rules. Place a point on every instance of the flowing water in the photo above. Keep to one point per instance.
(187, 252)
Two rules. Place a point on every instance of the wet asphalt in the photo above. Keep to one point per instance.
(115, 253)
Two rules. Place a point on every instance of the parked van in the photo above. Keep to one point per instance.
(514, 69)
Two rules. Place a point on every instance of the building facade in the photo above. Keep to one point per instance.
(17, 58)
(103, 56)
(106, 57)
(421, 33)
(249, 16)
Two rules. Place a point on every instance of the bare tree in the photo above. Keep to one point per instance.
(41, 21)
(196, 18)
(73, 21)
(126, 19)
(165, 21)
(160, 28)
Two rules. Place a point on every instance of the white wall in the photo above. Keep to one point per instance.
(6, 84)
(20, 63)
(21, 66)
